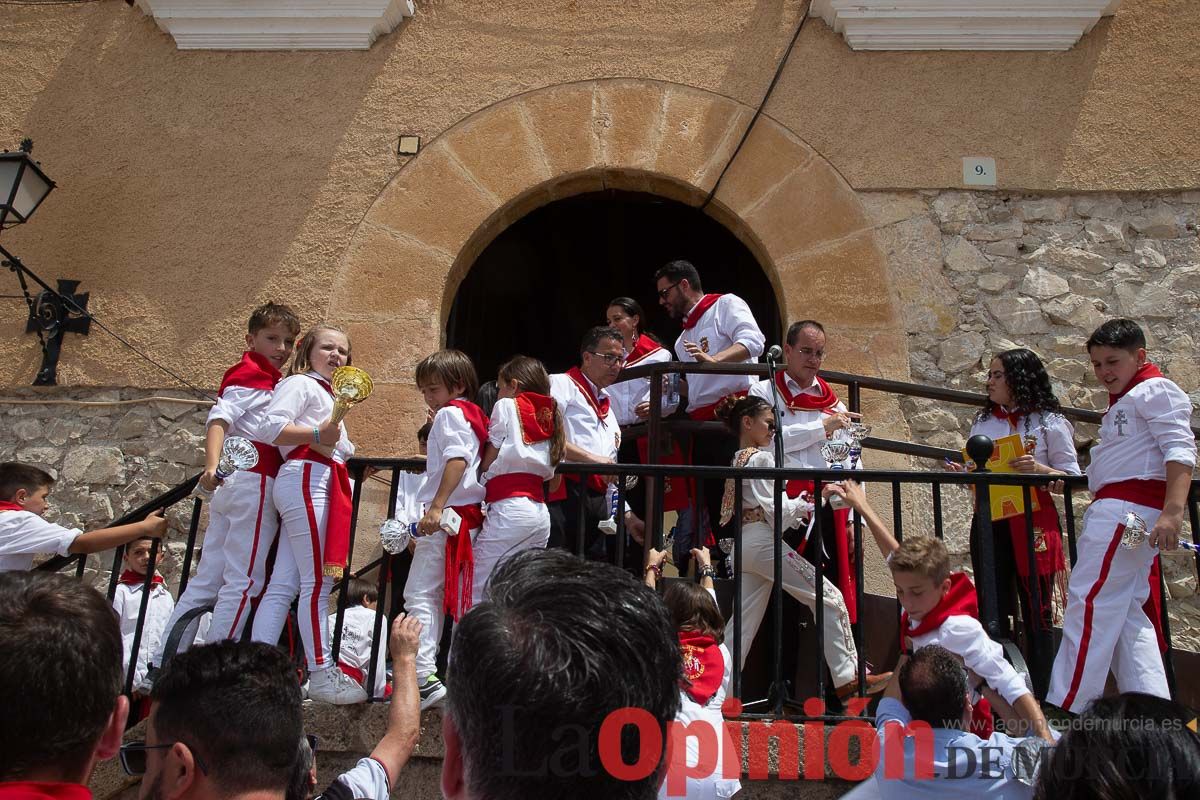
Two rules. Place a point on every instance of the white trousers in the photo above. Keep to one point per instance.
(799, 580)
(425, 596)
(301, 495)
(242, 526)
(1104, 626)
(511, 525)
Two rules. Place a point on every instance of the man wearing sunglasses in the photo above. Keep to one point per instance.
(60, 686)
(592, 437)
(717, 329)
(224, 722)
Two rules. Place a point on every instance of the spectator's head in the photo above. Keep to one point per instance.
(60, 679)
(524, 374)
(446, 375)
(271, 333)
(921, 572)
(304, 772)
(601, 355)
(137, 555)
(322, 349)
(626, 315)
(487, 396)
(1128, 746)
(423, 438)
(749, 418)
(224, 720)
(1017, 379)
(692, 608)
(678, 286)
(1117, 350)
(363, 592)
(933, 687)
(559, 646)
(27, 486)
(804, 350)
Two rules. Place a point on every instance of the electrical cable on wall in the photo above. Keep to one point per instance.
(762, 105)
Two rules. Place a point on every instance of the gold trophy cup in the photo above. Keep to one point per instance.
(351, 386)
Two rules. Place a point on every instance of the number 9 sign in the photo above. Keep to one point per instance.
(979, 171)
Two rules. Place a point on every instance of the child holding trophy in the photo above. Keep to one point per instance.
(312, 494)
(525, 443)
(441, 579)
(242, 522)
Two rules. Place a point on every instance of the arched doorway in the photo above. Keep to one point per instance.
(546, 278)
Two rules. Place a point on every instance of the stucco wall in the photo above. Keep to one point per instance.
(195, 184)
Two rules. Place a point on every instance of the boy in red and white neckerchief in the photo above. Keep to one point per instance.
(242, 521)
(441, 579)
(127, 601)
(525, 443)
(1142, 466)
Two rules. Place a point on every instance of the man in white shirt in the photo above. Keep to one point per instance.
(810, 413)
(938, 758)
(592, 437)
(717, 328)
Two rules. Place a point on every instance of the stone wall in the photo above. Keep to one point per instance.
(982, 272)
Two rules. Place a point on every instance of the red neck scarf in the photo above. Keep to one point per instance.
(8, 505)
(460, 557)
(600, 406)
(1013, 418)
(1144, 373)
(959, 600)
(43, 790)
(804, 401)
(535, 416)
(131, 578)
(324, 383)
(697, 312)
(252, 372)
(645, 346)
(703, 665)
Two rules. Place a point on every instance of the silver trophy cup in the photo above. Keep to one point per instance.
(238, 453)
(395, 535)
(835, 452)
(1135, 531)
(857, 432)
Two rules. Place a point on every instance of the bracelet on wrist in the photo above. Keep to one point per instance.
(316, 435)
(707, 571)
(657, 569)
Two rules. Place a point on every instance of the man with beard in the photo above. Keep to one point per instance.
(60, 686)
(717, 329)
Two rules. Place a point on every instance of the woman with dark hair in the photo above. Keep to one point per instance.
(1124, 748)
(631, 399)
(1021, 402)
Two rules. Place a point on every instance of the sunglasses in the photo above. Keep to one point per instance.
(662, 293)
(133, 756)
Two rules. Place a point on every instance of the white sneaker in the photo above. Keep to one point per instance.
(433, 692)
(336, 687)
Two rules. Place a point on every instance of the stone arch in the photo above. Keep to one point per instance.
(792, 209)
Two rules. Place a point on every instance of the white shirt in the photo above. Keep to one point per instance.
(803, 430)
(514, 454)
(963, 636)
(723, 324)
(760, 493)
(582, 426)
(1054, 433)
(452, 437)
(408, 506)
(127, 602)
(301, 400)
(357, 629)
(366, 780)
(959, 760)
(1145, 429)
(244, 410)
(24, 534)
(627, 395)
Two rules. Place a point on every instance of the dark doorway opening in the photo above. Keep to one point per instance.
(546, 279)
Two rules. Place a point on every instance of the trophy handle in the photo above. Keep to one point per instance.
(340, 409)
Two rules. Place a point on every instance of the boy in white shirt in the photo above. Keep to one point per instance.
(358, 632)
(128, 603)
(24, 492)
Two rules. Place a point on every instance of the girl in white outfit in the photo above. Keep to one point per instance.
(312, 495)
(752, 420)
(525, 443)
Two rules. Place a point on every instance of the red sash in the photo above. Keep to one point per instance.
(841, 547)
(697, 312)
(644, 346)
(8, 505)
(43, 790)
(600, 409)
(460, 558)
(709, 412)
(676, 496)
(535, 416)
(804, 401)
(360, 677)
(1149, 493)
(339, 498)
(269, 459)
(131, 578)
(460, 562)
(252, 372)
(1144, 373)
(703, 665)
(515, 484)
(1049, 559)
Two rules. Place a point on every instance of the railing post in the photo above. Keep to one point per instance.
(819, 588)
(654, 519)
(1069, 514)
(193, 526)
(335, 648)
(147, 588)
(619, 519)
(737, 588)
(1037, 657)
(979, 448)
